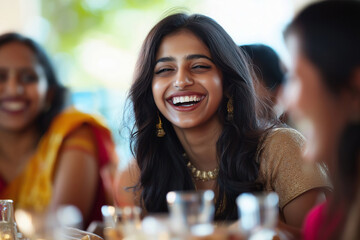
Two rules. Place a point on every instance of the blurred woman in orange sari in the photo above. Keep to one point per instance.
(49, 156)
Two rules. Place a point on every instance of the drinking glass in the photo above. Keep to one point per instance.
(258, 214)
(156, 226)
(191, 211)
(7, 220)
(41, 225)
(121, 222)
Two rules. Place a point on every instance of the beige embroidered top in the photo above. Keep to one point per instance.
(282, 168)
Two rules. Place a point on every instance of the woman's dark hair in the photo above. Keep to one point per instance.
(329, 38)
(162, 165)
(58, 92)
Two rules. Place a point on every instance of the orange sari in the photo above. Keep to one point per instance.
(32, 189)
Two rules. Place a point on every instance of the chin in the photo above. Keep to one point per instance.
(183, 125)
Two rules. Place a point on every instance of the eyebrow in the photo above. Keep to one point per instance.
(165, 59)
(189, 57)
(196, 56)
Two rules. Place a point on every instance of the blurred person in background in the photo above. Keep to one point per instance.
(268, 75)
(50, 155)
(196, 127)
(324, 92)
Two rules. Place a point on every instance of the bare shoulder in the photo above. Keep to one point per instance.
(130, 175)
(126, 185)
(75, 173)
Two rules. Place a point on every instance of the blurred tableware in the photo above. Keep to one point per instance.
(96, 227)
(258, 214)
(6, 211)
(121, 222)
(109, 216)
(156, 226)
(70, 233)
(191, 211)
(69, 216)
(39, 225)
(8, 228)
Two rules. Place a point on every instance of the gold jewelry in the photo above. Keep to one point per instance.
(230, 109)
(202, 175)
(159, 129)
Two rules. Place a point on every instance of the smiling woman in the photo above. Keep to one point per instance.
(49, 156)
(187, 88)
(193, 83)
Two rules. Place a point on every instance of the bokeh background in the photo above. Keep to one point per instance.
(94, 43)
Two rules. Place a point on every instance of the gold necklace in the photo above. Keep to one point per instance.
(201, 175)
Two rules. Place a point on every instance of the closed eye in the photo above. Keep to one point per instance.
(163, 70)
(3, 76)
(28, 77)
(200, 68)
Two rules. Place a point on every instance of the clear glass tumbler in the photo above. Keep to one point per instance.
(258, 213)
(7, 220)
(190, 211)
(121, 222)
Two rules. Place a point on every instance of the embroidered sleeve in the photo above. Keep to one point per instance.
(283, 170)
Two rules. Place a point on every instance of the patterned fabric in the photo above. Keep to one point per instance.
(33, 188)
(283, 170)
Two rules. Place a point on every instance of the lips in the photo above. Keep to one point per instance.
(185, 102)
(13, 106)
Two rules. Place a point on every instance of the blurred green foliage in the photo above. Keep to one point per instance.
(72, 20)
(119, 24)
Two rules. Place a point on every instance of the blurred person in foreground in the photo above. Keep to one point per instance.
(50, 155)
(324, 91)
(268, 75)
(196, 127)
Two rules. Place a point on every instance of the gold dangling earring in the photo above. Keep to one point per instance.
(159, 129)
(230, 110)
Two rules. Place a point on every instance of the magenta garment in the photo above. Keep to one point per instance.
(315, 220)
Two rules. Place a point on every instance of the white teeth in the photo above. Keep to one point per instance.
(185, 99)
(13, 106)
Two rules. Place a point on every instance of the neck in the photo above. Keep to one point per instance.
(200, 144)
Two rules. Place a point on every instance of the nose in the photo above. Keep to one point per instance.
(13, 87)
(182, 80)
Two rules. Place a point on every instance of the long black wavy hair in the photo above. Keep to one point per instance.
(59, 92)
(329, 33)
(160, 160)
